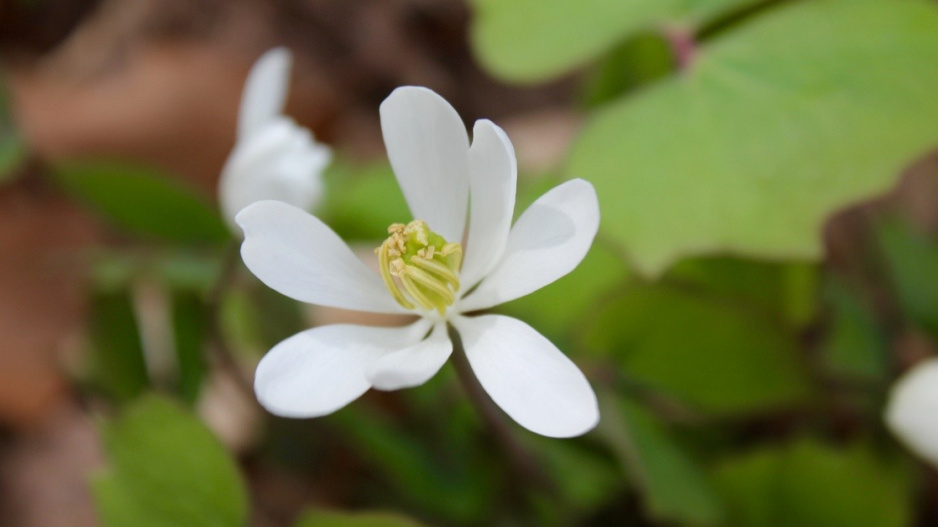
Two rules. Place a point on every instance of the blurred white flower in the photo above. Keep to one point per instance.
(912, 410)
(273, 157)
(423, 272)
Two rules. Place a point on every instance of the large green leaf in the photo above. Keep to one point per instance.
(808, 483)
(532, 40)
(674, 487)
(166, 469)
(707, 352)
(808, 108)
(144, 201)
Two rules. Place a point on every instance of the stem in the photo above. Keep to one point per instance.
(217, 340)
(521, 461)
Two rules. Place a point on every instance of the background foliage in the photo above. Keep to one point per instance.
(742, 358)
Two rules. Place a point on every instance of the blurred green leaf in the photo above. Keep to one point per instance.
(912, 258)
(445, 482)
(358, 519)
(586, 479)
(640, 60)
(277, 316)
(555, 309)
(809, 483)
(117, 360)
(855, 346)
(674, 487)
(363, 201)
(709, 353)
(806, 109)
(786, 290)
(12, 154)
(190, 326)
(167, 469)
(534, 40)
(144, 201)
(178, 269)
(12, 145)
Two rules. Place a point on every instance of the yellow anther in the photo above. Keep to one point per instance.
(419, 267)
(397, 267)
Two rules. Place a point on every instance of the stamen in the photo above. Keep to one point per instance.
(419, 267)
(388, 280)
(437, 268)
(416, 293)
(425, 279)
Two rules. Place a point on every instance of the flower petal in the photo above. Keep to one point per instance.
(493, 177)
(548, 241)
(912, 410)
(265, 90)
(280, 161)
(299, 256)
(320, 370)
(411, 366)
(528, 377)
(429, 151)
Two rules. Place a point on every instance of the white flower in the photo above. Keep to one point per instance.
(424, 272)
(912, 410)
(273, 157)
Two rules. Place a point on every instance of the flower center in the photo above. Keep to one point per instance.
(419, 267)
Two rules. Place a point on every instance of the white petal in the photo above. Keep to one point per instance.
(429, 152)
(412, 366)
(493, 177)
(320, 370)
(912, 410)
(528, 377)
(548, 241)
(265, 90)
(299, 256)
(280, 161)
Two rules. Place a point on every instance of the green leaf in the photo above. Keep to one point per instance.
(809, 483)
(117, 360)
(446, 483)
(555, 309)
(707, 352)
(855, 346)
(12, 145)
(640, 60)
(167, 469)
(363, 201)
(359, 519)
(674, 487)
(534, 40)
(913, 259)
(144, 201)
(12, 153)
(586, 479)
(808, 108)
(190, 324)
(788, 291)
